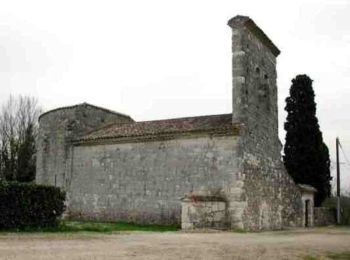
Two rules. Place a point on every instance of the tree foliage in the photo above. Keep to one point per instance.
(306, 157)
(18, 131)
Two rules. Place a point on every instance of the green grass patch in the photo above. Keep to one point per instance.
(100, 227)
(335, 256)
(240, 230)
(310, 257)
(340, 256)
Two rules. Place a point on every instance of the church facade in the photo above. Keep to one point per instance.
(114, 168)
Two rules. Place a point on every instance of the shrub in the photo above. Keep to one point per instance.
(30, 205)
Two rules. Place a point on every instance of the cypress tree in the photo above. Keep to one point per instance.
(306, 157)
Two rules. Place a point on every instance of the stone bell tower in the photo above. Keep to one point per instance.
(254, 99)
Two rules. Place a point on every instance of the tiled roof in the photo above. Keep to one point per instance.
(158, 128)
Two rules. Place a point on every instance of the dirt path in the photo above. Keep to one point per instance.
(176, 245)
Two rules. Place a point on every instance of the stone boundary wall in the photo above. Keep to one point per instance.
(203, 212)
(324, 216)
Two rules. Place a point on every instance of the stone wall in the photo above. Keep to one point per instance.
(56, 129)
(324, 216)
(273, 201)
(145, 181)
(206, 211)
(269, 197)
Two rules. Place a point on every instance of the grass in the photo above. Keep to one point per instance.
(335, 256)
(309, 257)
(240, 230)
(340, 256)
(100, 227)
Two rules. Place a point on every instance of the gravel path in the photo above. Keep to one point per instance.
(294, 244)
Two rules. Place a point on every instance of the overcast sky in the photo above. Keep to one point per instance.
(163, 59)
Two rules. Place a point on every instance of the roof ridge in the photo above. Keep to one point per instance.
(178, 118)
(83, 104)
(105, 109)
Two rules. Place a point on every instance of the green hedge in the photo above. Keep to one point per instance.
(29, 205)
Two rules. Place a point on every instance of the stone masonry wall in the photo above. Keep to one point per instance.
(56, 129)
(324, 216)
(144, 182)
(52, 151)
(203, 214)
(273, 201)
(269, 197)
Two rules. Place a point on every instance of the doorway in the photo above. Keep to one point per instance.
(307, 210)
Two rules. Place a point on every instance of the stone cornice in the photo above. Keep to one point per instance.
(244, 21)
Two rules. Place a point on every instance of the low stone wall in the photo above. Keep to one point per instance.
(203, 212)
(324, 216)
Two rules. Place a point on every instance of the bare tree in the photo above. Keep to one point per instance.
(18, 132)
(28, 112)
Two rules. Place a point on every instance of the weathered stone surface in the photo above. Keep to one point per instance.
(271, 198)
(324, 216)
(138, 171)
(203, 214)
(57, 128)
(144, 182)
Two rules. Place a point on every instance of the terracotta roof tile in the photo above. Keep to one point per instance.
(159, 127)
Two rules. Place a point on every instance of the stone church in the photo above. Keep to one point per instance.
(221, 171)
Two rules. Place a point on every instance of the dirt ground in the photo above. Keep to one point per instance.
(292, 244)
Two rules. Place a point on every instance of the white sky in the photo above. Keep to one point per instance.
(162, 59)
